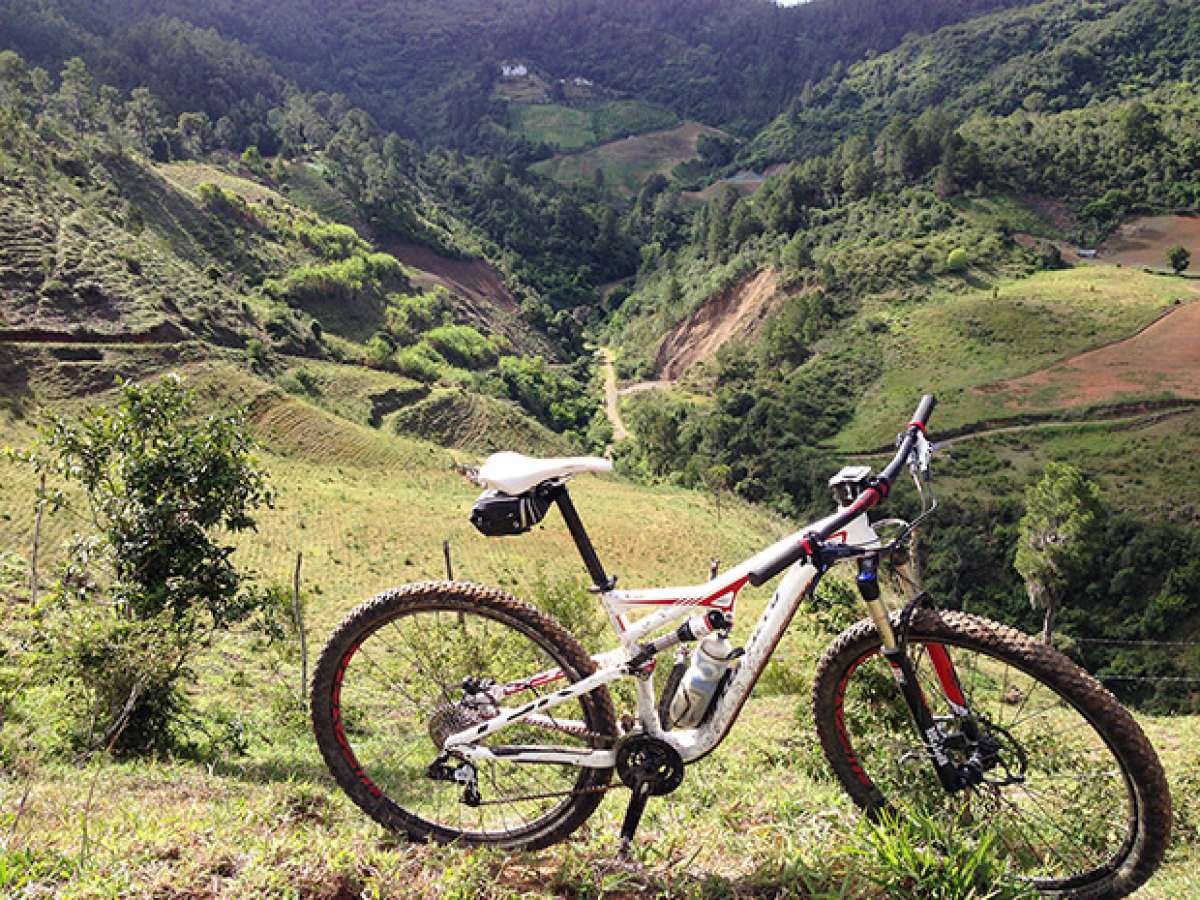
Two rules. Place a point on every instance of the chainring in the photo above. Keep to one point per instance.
(644, 761)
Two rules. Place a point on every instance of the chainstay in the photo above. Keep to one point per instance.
(552, 795)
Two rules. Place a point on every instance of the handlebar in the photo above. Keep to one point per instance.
(881, 485)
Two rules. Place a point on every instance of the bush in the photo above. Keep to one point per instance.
(342, 279)
(379, 352)
(421, 363)
(957, 261)
(463, 346)
(223, 202)
(410, 315)
(139, 595)
(252, 159)
(256, 353)
(557, 399)
(330, 241)
(301, 382)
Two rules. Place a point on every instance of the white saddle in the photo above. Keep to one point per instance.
(514, 473)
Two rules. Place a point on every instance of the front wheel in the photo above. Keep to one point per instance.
(416, 664)
(1069, 785)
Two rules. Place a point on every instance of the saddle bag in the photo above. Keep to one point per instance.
(496, 514)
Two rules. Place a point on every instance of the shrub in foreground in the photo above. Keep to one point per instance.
(151, 582)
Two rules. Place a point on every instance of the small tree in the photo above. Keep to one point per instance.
(151, 584)
(1178, 258)
(1058, 535)
(717, 481)
(957, 260)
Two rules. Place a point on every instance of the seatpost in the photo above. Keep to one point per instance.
(600, 580)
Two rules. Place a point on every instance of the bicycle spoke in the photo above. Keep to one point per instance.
(405, 685)
(1067, 810)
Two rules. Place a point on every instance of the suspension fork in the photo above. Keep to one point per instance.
(894, 652)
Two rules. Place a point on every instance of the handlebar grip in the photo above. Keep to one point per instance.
(924, 408)
(764, 572)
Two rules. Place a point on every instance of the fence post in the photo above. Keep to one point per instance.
(299, 614)
(37, 540)
(449, 565)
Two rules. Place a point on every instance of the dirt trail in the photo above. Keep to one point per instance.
(735, 312)
(612, 405)
(1117, 420)
(1162, 358)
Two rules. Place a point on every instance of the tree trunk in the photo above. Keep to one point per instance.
(1048, 621)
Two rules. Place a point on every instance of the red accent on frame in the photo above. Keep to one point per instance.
(726, 594)
(946, 674)
(839, 536)
(920, 426)
(533, 681)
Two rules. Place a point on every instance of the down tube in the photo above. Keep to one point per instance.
(770, 628)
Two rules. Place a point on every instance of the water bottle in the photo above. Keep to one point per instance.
(711, 659)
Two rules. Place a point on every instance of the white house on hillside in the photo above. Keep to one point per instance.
(514, 70)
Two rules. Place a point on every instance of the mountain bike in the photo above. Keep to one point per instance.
(454, 712)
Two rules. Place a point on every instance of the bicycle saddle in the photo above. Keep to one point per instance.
(514, 473)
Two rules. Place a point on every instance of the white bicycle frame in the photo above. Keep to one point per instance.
(676, 604)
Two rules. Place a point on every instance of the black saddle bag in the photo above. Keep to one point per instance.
(496, 514)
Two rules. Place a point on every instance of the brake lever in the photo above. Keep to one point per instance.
(921, 457)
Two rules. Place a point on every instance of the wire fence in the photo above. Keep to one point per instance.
(1117, 643)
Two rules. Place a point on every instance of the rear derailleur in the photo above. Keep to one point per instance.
(456, 771)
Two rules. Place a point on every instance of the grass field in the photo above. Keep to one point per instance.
(1146, 468)
(956, 342)
(570, 128)
(1010, 213)
(626, 163)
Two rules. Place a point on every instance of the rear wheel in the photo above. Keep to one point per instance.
(1071, 788)
(418, 663)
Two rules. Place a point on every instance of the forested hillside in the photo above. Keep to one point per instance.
(1045, 58)
(427, 69)
(915, 244)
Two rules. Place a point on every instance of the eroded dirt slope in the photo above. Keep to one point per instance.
(481, 291)
(734, 313)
